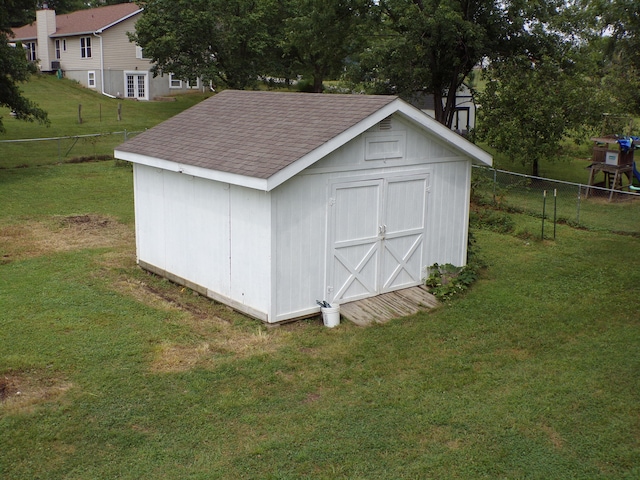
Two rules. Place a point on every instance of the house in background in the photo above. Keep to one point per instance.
(92, 47)
(464, 115)
(269, 201)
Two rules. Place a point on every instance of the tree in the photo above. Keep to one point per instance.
(227, 41)
(14, 67)
(531, 104)
(321, 35)
(433, 46)
(621, 50)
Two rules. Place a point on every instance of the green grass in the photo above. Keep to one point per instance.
(532, 374)
(108, 372)
(60, 98)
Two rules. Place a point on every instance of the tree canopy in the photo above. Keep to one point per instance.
(14, 67)
(432, 46)
(226, 41)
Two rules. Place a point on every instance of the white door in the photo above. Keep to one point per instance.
(136, 85)
(377, 232)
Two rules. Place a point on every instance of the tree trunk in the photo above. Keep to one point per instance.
(437, 107)
(534, 168)
(318, 77)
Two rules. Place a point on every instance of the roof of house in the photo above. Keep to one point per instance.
(260, 135)
(83, 21)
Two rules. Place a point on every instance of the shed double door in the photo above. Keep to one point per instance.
(377, 236)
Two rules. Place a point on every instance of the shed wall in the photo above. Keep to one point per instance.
(205, 233)
(302, 208)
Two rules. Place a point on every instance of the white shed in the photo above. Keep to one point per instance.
(269, 201)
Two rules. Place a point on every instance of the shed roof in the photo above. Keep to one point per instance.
(253, 133)
(262, 135)
(83, 21)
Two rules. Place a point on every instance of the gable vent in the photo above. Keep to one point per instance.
(385, 125)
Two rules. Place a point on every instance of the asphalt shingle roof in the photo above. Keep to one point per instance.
(255, 134)
(82, 21)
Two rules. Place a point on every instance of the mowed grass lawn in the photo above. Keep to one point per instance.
(61, 98)
(109, 372)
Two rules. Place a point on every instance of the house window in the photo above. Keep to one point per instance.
(85, 47)
(174, 82)
(31, 51)
(58, 49)
(139, 52)
(91, 79)
(137, 85)
(195, 84)
(64, 45)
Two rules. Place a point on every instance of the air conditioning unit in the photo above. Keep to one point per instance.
(55, 65)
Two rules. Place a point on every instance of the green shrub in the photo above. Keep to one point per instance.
(445, 281)
(495, 221)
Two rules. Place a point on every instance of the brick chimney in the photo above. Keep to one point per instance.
(46, 25)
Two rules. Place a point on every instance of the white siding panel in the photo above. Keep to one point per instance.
(448, 213)
(150, 219)
(177, 203)
(209, 235)
(300, 207)
(250, 248)
(182, 226)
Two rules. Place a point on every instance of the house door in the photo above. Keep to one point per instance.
(377, 231)
(136, 84)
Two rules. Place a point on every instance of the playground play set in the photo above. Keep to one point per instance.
(613, 156)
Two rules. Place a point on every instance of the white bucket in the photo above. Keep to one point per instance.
(331, 316)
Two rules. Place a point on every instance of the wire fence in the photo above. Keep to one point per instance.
(573, 203)
(74, 148)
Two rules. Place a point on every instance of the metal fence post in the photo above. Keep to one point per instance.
(578, 206)
(495, 181)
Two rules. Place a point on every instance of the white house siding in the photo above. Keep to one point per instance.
(185, 226)
(71, 60)
(120, 57)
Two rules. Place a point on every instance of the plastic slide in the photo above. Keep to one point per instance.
(636, 174)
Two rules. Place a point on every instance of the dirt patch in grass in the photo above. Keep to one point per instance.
(22, 392)
(60, 234)
(227, 343)
(218, 337)
(554, 437)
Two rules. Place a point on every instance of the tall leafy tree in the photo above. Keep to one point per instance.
(227, 41)
(531, 104)
(432, 46)
(321, 35)
(14, 67)
(620, 46)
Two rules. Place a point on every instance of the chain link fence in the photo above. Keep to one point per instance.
(572, 203)
(46, 151)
